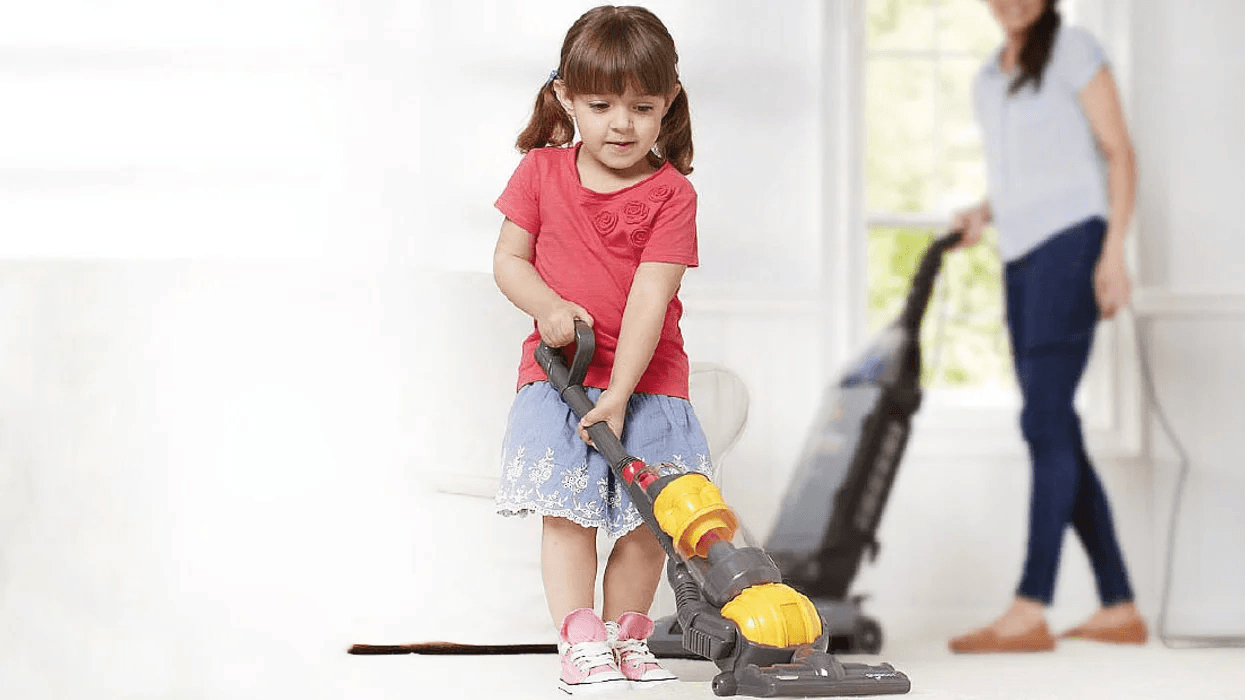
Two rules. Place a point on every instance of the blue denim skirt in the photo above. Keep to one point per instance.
(548, 470)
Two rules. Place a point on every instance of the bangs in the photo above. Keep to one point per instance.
(618, 57)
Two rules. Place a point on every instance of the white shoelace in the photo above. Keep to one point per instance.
(589, 655)
(636, 650)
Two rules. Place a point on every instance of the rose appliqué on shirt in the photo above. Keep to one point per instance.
(640, 235)
(605, 222)
(661, 193)
(635, 212)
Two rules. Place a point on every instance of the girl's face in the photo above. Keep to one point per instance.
(1015, 16)
(618, 131)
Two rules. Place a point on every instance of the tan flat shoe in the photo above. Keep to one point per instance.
(987, 641)
(1133, 632)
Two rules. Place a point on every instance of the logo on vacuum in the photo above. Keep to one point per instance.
(882, 468)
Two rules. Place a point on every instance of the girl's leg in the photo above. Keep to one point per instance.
(659, 428)
(632, 574)
(568, 566)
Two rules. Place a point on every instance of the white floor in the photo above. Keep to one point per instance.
(916, 644)
(1074, 670)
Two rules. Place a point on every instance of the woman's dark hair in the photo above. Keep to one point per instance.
(607, 50)
(1035, 54)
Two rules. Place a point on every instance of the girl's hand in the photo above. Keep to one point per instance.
(611, 410)
(971, 223)
(1112, 285)
(557, 326)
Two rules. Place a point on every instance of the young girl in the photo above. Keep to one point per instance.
(601, 231)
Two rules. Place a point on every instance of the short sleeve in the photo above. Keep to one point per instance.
(520, 201)
(673, 238)
(1078, 57)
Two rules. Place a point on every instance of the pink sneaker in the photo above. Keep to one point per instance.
(629, 637)
(588, 663)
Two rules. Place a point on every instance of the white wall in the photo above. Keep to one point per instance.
(136, 129)
(1186, 60)
(206, 490)
(204, 478)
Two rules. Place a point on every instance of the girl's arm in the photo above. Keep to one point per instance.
(1101, 103)
(517, 278)
(652, 289)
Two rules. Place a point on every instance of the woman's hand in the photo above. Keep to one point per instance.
(611, 410)
(1112, 285)
(557, 325)
(972, 224)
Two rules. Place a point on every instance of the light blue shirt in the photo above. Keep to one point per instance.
(1044, 168)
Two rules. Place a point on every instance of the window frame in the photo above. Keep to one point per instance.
(1109, 399)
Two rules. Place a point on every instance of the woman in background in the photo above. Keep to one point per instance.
(1052, 124)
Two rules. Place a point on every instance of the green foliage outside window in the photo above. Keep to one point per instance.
(923, 158)
(964, 337)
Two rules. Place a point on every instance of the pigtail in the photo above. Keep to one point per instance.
(550, 125)
(1035, 54)
(675, 142)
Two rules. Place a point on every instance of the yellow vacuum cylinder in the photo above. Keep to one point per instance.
(690, 508)
(774, 614)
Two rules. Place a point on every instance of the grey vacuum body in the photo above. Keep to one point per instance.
(833, 504)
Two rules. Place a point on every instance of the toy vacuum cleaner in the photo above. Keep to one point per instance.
(766, 616)
(830, 513)
(766, 638)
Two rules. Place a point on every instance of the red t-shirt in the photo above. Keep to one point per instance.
(587, 246)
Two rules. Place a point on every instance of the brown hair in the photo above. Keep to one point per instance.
(1035, 54)
(607, 50)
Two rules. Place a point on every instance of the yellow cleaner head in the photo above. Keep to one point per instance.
(774, 614)
(690, 509)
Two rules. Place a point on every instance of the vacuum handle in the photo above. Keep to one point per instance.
(569, 383)
(948, 240)
(923, 282)
(553, 360)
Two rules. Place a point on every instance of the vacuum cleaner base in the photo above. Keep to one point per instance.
(851, 631)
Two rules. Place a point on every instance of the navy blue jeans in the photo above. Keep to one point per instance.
(1051, 315)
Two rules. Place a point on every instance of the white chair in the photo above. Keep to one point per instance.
(720, 398)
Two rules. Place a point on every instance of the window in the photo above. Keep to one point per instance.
(923, 161)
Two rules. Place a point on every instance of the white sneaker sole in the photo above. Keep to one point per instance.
(652, 683)
(612, 685)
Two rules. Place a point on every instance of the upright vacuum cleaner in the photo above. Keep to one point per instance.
(766, 638)
(830, 513)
